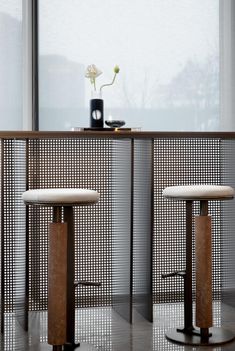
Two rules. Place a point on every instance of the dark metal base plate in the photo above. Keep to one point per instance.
(219, 336)
(47, 347)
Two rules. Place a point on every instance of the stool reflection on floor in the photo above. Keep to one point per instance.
(206, 334)
(61, 284)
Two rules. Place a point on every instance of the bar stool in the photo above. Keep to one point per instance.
(61, 285)
(205, 335)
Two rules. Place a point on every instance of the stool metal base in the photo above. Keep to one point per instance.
(219, 336)
(46, 347)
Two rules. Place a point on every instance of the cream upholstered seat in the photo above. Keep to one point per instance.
(60, 196)
(199, 192)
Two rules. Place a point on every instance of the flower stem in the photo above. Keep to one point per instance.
(93, 81)
(106, 85)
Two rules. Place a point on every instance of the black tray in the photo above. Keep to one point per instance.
(106, 129)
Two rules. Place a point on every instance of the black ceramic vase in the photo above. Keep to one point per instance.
(96, 112)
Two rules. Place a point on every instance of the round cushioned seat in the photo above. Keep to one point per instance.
(60, 196)
(199, 192)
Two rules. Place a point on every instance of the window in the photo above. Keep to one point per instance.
(167, 50)
(11, 65)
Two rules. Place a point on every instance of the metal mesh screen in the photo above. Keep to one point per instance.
(111, 233)
(228, 224)
(13, 240)
(181, 162)
(72, 163)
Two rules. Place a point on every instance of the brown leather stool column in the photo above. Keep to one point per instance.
(61, 285)
(206, 334)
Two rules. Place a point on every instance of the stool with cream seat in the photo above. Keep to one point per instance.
(206, 334)
(61, 285)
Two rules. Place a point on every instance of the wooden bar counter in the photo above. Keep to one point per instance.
(130, 240)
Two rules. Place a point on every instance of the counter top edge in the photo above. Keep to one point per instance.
(112, 134)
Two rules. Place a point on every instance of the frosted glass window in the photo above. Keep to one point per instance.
(11, 64)
(167, 50)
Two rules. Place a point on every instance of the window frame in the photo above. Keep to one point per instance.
(30, 65)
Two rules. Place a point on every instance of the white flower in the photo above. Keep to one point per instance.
(92, 72)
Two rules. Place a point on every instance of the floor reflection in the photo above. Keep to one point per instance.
(104, 330)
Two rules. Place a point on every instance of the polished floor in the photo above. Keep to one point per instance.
(102, 329)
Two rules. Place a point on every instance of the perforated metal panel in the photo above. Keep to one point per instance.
(181, 162)
(72, 163)
(108, 236)
(13, 240)
(228, 224)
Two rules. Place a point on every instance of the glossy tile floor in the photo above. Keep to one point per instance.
(104, 330)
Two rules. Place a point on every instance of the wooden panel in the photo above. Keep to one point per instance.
(203, 271)
(57, 282)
